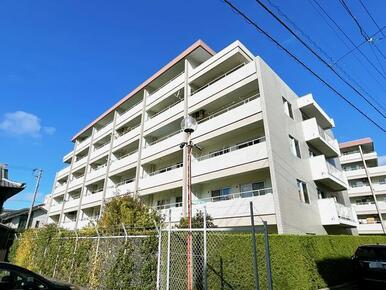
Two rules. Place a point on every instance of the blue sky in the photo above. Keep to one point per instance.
(62, 63)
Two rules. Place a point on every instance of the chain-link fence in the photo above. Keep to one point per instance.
(102, 261)
(213, 258)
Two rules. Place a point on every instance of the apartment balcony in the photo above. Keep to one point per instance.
(68, 225)
(63, 172)
(127, 137)
(96, 174)
(244, 157)
(55, 208)
(311, 108)
(102, 132)
(100, 151)
(356, 157)
(369, 229)
(228, 210)
(369, 207)
(131, 113)
(124, 162)
(334, 213)
(231, 118)
(83, 144)
(92, 199)
(167, 144)
(121, 188)
(68, 156)
(76, 183)
(71, 204)
(319, 138)
(224, 84)
(86, 222)
(365, 190)
(162, 179)
(327, 174)
(166, 89)
(60, 189)
(169, 114)
(361, 173)
(79, 163)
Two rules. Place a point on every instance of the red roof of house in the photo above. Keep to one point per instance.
(353, 143)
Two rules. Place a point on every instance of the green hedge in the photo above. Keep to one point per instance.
(298, 262)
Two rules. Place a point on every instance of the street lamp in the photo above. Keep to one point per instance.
(188, 125)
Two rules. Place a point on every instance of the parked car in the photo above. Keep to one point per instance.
(370, 265)
(13, 277)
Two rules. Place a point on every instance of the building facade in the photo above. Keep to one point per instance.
(366, 179)
(258, 142)
(17, 219)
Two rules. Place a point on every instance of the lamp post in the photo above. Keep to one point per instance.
(188, 125)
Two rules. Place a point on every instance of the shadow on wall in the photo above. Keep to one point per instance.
(336, 271)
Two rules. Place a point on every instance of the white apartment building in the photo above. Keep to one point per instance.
(365, 177)
(259, 142)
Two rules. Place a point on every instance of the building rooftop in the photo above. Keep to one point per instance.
(199, 46)
(354, 143)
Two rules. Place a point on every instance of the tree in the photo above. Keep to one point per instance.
(197, 221)
(131, 212)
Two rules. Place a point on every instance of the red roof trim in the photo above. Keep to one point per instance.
(353, 143)
(190, 49)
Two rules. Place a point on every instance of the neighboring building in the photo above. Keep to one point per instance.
(260, 142)
(359, 179)
(8, 188)
(17, 219)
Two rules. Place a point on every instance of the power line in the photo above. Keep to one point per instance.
(348, 76)
(319, 57)
(362, 30)
(258, 28)
(372, 18)
(339, 36)
(349, 39)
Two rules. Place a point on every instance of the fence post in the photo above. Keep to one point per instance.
(73, 256)
(254, 252)
(267, 256)
(57, 255)
(159, 257)
(168, 253)
(205, 254)
(124, 230)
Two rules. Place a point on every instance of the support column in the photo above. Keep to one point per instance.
(185, 149)
(84, 177)
(140, 145)
(372, 190)
(73, 159)
(108, 163)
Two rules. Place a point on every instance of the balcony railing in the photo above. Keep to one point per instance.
(335, 171)
(232, 148)
(236, 195)
(125, 155)
(244, 194)
(96, 147)
(165, 109)
(165, 169)
(230, 107)
(127, 130)
(128, 109)
(168, 82)
(165, 137)
(218, 78)
(329, 139)
(125, 182)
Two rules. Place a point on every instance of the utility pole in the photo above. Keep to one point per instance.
(372, 190)
(38, 175)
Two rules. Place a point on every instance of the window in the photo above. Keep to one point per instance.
(287, 108)
(295, 146)
(178, 201)
(252, 189)
(221, 194)
(303, 191)
(37, 224)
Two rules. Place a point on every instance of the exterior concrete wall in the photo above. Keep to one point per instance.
(293, 216)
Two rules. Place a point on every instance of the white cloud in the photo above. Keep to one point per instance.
(21, 123)
(382, 160)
